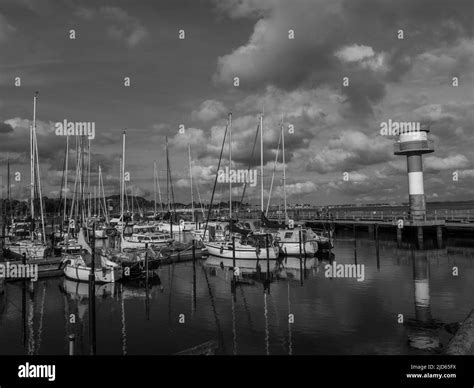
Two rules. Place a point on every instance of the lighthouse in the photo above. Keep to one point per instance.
(414, 144)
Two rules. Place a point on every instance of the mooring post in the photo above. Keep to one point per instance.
(299, 244)
(71, 344)
(194, 274)
(147, 305)
(92, 338)
(23, 301)
(268, 259)
(439, 236)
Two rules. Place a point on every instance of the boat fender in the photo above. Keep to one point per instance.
(221, 265)
(222, 249)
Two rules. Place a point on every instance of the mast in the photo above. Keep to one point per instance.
(65, 178)
(101, 183)
(191, 180)
(8, 204)
(154, 186)
(230, 166)
(122, 179)
(89, 178)
(131, 193)
(167, 177)
(284, 170)
(159, 192)
(32, 166)
(39, 185)
(261, 162)
(83, 183)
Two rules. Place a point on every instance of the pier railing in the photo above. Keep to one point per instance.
(447, 215)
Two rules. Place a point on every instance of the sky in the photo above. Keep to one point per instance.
(291, 58)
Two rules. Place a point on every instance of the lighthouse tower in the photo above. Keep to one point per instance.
(414, 144)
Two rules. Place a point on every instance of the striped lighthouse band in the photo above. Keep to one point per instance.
(415, 185)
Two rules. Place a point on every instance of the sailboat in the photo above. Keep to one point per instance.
(35, 248)
(141, 237)
(247, 248)
(292, 241)
(78, 267)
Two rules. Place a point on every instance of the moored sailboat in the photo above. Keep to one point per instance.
(249, 249)
(34, 248)
(79, 267)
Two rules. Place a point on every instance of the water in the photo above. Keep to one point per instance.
(331, 316)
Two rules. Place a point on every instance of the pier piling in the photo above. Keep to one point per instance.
(399, 237)
(439, 236)
(377, 245)
(419, 235)
(72, 339)
(233, 264)
(355, 242)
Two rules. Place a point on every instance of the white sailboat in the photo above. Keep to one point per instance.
(141, 239)
(250, 249)
(293, 241)
(78, 267)
(35, 248)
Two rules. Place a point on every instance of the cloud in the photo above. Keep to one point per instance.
(466, 174)
(354, 53)
(362, 56)
(5, 128)
(300, 188)
(6, 29)
(348, 151)
(323, 29)
(241, 9)
(122, 26)
(209, 110)
(453, 162)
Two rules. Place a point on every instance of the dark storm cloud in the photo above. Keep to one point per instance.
(5, 128)
(321, 28)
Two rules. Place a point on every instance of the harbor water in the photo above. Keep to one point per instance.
(405, 304)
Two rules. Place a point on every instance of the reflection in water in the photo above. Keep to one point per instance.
(267, 332)
(31, 312)
(290, 344)
(124, 328)
(331, 316)
(40, 327)
(234, 329)
(422, 332)
(220, 335)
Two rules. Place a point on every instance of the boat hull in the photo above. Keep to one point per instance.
(33, 251)
(244, 265)
(241, 252)
(127, 244)
(78, 272)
